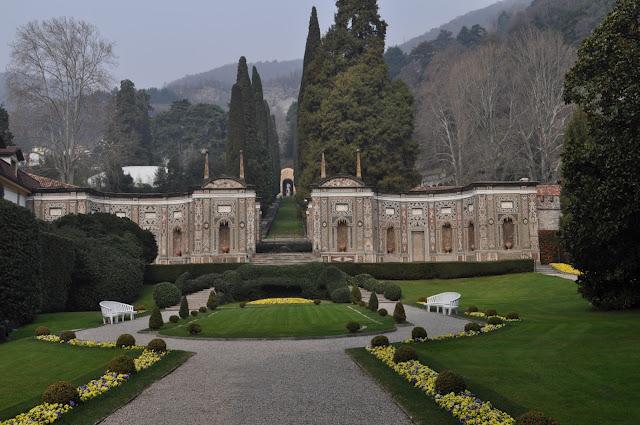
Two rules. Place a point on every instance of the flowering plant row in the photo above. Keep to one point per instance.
(272, 301)
(481, 315)
(465, 406)
(86, 343)
(566, 268)
(47, 413)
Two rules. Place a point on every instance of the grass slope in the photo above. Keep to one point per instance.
(575, 364)
(28, 366)
(57, 322)
(282, 321)
(287, 223)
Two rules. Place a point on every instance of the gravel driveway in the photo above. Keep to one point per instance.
(266, 382)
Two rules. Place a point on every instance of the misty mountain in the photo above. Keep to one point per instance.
(486, 17)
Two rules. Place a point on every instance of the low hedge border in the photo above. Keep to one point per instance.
(156, 273)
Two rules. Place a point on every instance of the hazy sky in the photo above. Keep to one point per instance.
(158, 41)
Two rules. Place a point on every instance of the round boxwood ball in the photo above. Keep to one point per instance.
(125, 340)
(383, 312)
(62, 392)
(449, 382)
(341, 295)
(513, 316)
(194, 329)
(122, 364)
(493, 320)
(534, 418)
(490, 312)
(166, 294)
(174, 318)
(243, 304)
(158, 345)
(194, 313)
(380, 341)
(472, 309)
(317, 302)
(405, 353)
(67, 336)
(353, 327)
(392, 291)
(472, 327)
(419, 333)
(42, 330)
(202, 309)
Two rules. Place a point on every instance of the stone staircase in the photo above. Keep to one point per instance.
(283, 259)
(550, 271)
(195, 300)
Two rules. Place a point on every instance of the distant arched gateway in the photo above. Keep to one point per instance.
(287, 182)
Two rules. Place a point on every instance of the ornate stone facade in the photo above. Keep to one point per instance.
(217, 223)
(479, 222)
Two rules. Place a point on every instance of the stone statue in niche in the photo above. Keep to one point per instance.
(447, 238)
(508, 233)
(342, 236)
(224, 238)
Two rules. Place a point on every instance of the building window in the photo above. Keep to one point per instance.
(447, 238)
(508, 234)
(471, 236)
(391, 240)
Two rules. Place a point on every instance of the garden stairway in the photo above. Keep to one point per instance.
(195, 300)
(550, 271)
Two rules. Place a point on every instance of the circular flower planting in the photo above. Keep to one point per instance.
(273, 301)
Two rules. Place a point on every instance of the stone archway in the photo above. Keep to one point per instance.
(286, 177)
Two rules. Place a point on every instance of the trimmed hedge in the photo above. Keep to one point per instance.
(439, 270)
(156, 273)
(392, 292)
(58, 261)
(341, 295)
(166, 294)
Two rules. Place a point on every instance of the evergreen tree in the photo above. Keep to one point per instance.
(396, 59)
(265, 171)
(237, 131)
(601, 211)
(352, 103)
(6, 137)
(312, 46)
(292, 132)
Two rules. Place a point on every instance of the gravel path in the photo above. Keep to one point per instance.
(266, 382)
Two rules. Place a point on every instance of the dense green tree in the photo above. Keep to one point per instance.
(263, 163)
(5, 135)
(471, 37)
(396, 59)
(308, 76)
(600, 164)
(352, 103)
(292, 132)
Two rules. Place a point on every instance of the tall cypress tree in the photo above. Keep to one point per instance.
(313, 43)
(5, 135)
(236, 134)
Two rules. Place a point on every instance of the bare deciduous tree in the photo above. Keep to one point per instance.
(55, 65)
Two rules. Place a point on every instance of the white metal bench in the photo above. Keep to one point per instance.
(115, 310)
(447, 302)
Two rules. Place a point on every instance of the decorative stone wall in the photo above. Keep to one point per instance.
(187, 227)
(480, 222)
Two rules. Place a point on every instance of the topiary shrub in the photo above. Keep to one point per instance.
(370, 284)
(490, 312)
(373, 302)
(353, 327)
(449, 382)
(383, 312)
(67, 336)
(158, 345)
(333, 278)
(182, 280)
(513, 316)
(125, 340)
(405, 353)
(379, 341)
(494, 320)
(202, 309)
(392, 291)
(472, 309)
(356, 295)
(212, 302)
(398, 313)
(122, 364)
(174, 318)
(317, 302)
(472, 327)
(194, 313)
(378, 287)
(184, 307)
(534, 418)
(62, 392)
(243, 304)
(341, 295)
(42, 330)
(361, 279)
(419, 333)
(155, 320)
(166, 294)
(194, 329)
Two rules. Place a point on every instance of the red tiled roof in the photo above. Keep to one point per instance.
(20, 178)
(47, 183)
(549, 190)
(12, 150)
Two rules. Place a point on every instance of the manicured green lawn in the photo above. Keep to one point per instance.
(28, 366)
(282, 321)
(57, 322)
(577, 365)
(287, 223)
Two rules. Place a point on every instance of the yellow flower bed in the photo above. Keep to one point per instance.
(466, 407)
(274, 301)
(481, 315)
(566, 268)
(46, 413)
(86, 343)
